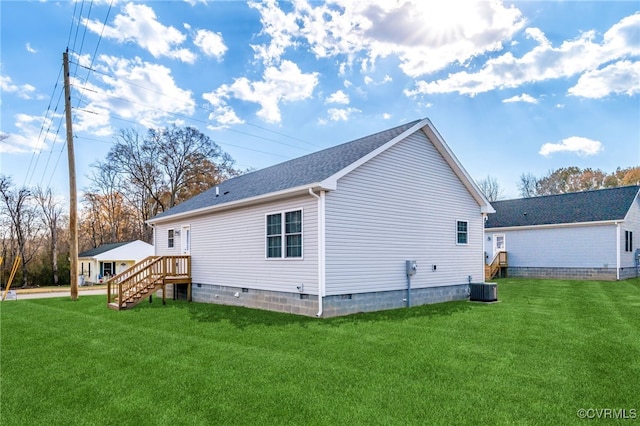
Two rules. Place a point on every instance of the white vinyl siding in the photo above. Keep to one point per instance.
(563, 247)
(632, 224)
(228, 248)
(402, 205)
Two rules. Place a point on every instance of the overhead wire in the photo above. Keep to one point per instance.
(95, 52)
(199, 106)
(76, 21)
(44, 120)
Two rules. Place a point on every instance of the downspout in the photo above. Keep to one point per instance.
(321, 252)
(618, 251)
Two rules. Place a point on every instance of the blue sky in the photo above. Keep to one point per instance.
(513, 87)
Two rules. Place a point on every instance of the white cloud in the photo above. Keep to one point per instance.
(338, 97)
(24, 91)
(279, 26)
(521, 98)
(368, 80)
(30, 49)
(579, 145)
(341, 114)
(210, 43)
(28, 138)
(131, 89)
(425, 36)
(286, 83)
(138, 24)
(386, 116)
(543, 62)
(194, 2)
(622, 77)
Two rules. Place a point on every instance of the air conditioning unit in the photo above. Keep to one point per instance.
(484, 292)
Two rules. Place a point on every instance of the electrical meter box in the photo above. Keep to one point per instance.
(412, 267)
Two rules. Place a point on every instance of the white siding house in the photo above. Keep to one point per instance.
(329, 233)
(111, 259)
(583, 235)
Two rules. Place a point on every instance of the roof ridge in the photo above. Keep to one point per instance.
(297, 172)
(569, 193)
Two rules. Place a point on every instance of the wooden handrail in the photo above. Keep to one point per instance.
(152, 270)
(500, 260)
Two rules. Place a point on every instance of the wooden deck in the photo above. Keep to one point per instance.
(142, 280)
(498, 266)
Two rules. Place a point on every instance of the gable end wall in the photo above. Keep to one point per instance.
(401, 205)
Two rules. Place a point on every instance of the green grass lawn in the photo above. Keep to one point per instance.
(546, 350)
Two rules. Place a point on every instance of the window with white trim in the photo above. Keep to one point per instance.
(462, 228)
(284, 235)
(170, 238)
(628, 241)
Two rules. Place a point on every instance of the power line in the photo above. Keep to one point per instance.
(44, 120)
(198, 106)
(187, 117)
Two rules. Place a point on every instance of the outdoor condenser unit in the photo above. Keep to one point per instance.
(484, 292)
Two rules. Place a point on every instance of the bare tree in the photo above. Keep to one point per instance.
(24, 229)
(51, 213)
(165, 168)
(490, 188)
(527, 185)
(109, 216)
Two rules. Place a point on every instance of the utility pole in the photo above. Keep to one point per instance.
(73, 195)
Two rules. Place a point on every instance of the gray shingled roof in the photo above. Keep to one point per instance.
(101, 249)
(290, 174)
(577, 207)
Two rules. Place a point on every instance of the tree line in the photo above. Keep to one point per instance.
(141, 176)
(562, 181)
(146, 174)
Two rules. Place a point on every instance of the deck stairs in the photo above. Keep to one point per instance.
(142, 280)
(497, 267)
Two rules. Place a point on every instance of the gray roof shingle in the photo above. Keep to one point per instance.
(300, 171)
(577, 207)
(101, 249)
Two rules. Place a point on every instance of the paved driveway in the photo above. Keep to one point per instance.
(62, 292)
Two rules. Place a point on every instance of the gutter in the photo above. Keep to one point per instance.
(552, 225)
(321, 248)
(618, 241)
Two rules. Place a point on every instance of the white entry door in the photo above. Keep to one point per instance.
(185, 235)
(499, 243)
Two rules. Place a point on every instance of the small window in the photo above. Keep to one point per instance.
(628, 241)
(170, 238)
(284, 241)
(463, 232)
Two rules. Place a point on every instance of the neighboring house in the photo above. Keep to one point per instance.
(329, 233)
(111, 259)
(582, 235)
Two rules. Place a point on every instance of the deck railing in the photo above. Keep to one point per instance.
(153, 270)
(500, 260)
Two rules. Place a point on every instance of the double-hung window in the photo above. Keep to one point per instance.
(462, 227)
(284, 235)
(170, 238)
